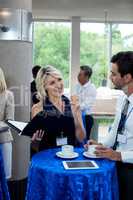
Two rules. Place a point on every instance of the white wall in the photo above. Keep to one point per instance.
(94, 10)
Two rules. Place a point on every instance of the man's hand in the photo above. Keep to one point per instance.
(108, 153)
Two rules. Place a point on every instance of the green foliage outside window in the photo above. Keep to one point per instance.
(52, 46)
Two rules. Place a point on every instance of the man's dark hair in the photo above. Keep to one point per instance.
(87, 70)
(35, 70)
(124, 61)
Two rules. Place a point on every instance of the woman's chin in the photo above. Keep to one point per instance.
(57, 95)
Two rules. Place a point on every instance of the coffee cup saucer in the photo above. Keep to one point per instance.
(60, 154)
(90, 155)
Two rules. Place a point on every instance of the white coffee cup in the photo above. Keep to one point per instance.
(92, 149)
(67, 149)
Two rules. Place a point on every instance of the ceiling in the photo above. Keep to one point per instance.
(92, 10)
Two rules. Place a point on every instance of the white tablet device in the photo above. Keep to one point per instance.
(80, 164)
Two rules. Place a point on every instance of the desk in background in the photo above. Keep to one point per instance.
(99, 116)
(48, 180)
(102, 109)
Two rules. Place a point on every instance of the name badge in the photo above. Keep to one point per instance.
(122, 138)
(61, 141)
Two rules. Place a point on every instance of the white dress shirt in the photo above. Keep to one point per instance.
(126, 148)
(87, 95)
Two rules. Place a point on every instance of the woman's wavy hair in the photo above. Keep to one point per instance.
(3, 85)
(41, 79)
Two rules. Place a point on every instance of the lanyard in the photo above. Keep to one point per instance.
(62, 134)
(116, 142)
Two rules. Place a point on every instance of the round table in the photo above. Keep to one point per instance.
(48, 180)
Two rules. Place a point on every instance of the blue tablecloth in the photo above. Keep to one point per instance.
(4, 194)
(48, 180)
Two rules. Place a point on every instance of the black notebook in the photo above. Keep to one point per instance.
(27, 129)
(37, 123)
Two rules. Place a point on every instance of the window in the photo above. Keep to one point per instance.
(93, 50)
(52, 46)
(122, 37)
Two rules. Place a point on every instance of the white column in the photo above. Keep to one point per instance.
(109, 83)
(16, 62)
(75, 52)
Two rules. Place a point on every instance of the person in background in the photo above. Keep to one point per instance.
(118, 145)
(86, 92)
(62, 118)
(6, 112)
(34, 98)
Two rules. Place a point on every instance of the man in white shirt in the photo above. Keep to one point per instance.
(121, 139)
(86, 93)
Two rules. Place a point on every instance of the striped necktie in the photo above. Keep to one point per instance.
(121, 125)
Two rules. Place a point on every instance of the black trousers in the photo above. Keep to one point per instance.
(89, 121)
(125, 180)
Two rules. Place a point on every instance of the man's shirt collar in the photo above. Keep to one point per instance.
(85, 85)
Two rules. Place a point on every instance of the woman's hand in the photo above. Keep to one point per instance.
(76, 108)
(75, 104)
(37, 136)
(79, 128)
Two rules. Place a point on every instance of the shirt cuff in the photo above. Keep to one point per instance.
(127, 156)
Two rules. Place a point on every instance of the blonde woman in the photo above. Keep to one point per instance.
(62, 118)
(6, 112)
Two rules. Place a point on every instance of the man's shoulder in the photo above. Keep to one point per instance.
(91, 87)
(122, 97)
(120, 100)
